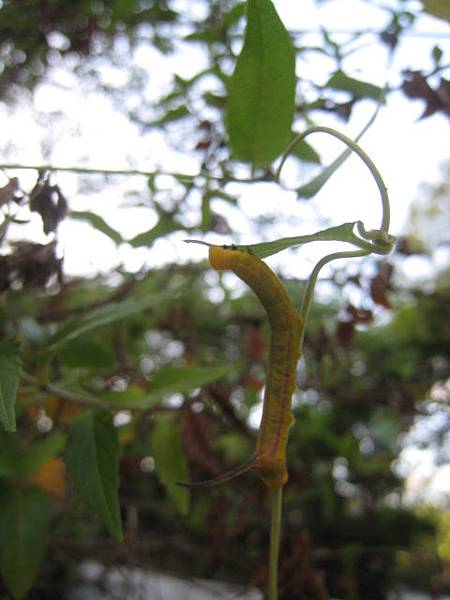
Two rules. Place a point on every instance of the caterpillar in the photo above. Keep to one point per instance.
(269, 458)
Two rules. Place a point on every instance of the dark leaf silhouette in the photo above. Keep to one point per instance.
(49, 202)
(8, 191)
(381, 284)
(416, 85)
(346, 325)
(33, 265)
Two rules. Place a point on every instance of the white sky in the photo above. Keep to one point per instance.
(85, 129)
(91, 132)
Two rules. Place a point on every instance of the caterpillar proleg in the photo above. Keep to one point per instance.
(269, 458)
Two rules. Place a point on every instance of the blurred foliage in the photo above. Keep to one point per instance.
(429, 216)
(129, 382)
(35, 32)
(160, 372)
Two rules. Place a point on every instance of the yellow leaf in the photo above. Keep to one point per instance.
(51, 477)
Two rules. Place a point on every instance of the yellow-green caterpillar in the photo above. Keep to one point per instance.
(269, 458)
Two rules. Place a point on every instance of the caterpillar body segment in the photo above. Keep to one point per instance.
(270, 454)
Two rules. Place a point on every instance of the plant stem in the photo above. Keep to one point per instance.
(184, 177)
(352, 147)
(309, 291)
(275, 529)
(83, 398)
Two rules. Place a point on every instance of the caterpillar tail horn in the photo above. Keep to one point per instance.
(221, 478)
(198, 242)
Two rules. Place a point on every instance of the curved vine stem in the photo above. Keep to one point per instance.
(385, 219)
(307, 299)
(383, 241)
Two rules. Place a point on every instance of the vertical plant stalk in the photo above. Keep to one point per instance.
(382, 244)
(276, 500)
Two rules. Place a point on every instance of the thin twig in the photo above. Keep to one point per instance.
(89, 400)
(185, 177)
(276, 498)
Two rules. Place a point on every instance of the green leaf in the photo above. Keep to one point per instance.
(233, 15)
(41, 451)
(223, 196)
(23, 537)
(310, 189)
(437, 54)
(305, 152)
(170, 461)
(172, 380)
(172, 115)
(206, 212)
(10, 370)
(163, 227)
(340, 233)
(208, 215)
(261, 100)
(10, 457)
(183, 379)
(103, 315)
(98, 223)
(217, 33)
(438, 8)
(92, 458)
(216, 100)
(357, 88)
(124, 9)
(208, 36)
(385, 427)
(87, 352)
(132, 396)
